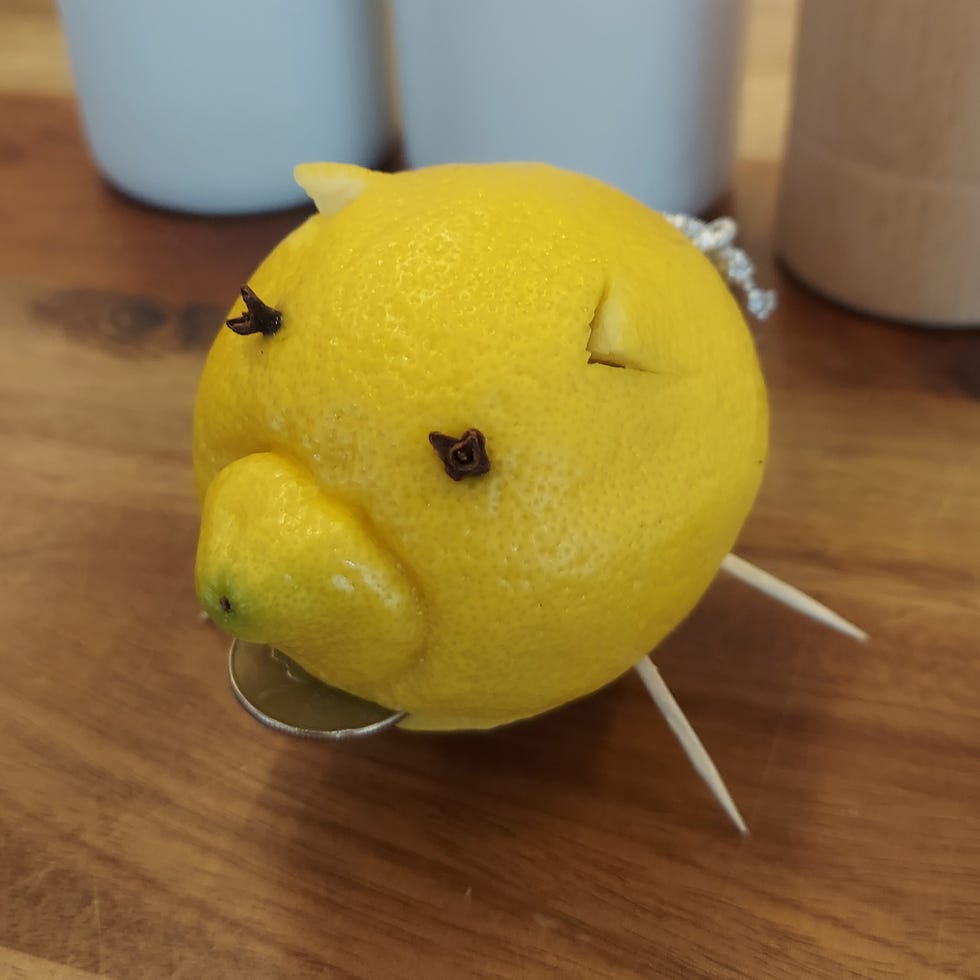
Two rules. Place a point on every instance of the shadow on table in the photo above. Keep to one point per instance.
(585, 826)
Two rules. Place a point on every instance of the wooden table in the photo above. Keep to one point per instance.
(149, 828)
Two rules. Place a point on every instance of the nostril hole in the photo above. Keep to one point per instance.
(225, 603)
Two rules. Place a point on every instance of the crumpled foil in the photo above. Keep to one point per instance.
(717, 240)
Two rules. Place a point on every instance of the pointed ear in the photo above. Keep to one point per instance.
(333, 185)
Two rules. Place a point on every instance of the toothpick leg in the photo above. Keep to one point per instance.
(688, 738)
(788, 595)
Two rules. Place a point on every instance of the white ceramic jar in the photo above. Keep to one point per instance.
(206, 105)
(640, 93)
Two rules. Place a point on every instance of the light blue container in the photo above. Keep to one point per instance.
(207, 105)
(640, 93)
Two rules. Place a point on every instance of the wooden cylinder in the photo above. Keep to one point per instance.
(880, 201)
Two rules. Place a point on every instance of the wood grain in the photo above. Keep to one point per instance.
(149, 828)
(880, 206)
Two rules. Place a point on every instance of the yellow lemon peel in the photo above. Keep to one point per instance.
(603, 361)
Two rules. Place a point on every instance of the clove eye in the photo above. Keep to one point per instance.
(257, 318)
(465, 456)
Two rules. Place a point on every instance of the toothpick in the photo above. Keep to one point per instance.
(688, 738)
(788, 595)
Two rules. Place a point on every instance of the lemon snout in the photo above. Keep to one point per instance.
(282, 563)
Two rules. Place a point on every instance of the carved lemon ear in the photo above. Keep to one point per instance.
(618, 339)
(333, 185)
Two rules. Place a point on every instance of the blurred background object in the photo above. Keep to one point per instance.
(763, 107)
(640, 93)
(33, 58)
(206, 105)
(32, 50)
(880, 204)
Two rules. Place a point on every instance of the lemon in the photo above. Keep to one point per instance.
(498, 430)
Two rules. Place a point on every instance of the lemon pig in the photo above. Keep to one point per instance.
(475, 439)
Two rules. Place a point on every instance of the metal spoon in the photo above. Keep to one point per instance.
(279, 693)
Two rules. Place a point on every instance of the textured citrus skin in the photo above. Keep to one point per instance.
(462, 297)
